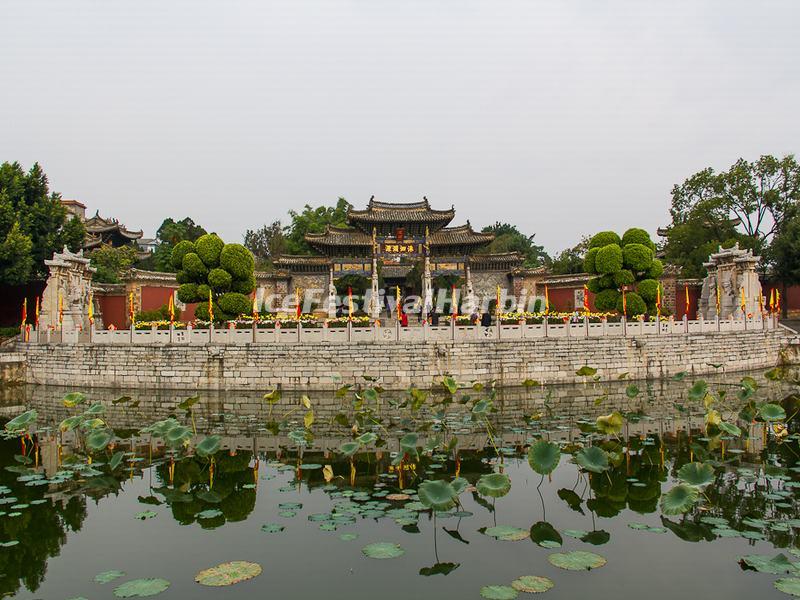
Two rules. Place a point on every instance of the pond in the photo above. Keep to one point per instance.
(671, 488)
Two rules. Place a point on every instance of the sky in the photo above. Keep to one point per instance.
(563, 117)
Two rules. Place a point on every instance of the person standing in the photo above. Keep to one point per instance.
(403, 319)
(486, 319)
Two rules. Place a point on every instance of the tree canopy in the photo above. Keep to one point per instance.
(33, 224)
(266, 243)
(313, 220)
(748, 203)
(785, 251)
(570, 260)
(112, 262)
(169, 235)
(510, 239)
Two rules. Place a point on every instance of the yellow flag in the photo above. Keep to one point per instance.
(91, 309)
(60, 308)
(255, 308)
(546, 300)
(210, 307)
(744, 302)
(172, 307)
(131, 310)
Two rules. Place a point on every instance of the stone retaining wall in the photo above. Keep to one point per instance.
(396, 366)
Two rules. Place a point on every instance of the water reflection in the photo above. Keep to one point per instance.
(752, 497)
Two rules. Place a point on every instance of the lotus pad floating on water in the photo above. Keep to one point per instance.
(533, 584)
(679, 499)
(437, 494)
(576, 561)
(499, 592)
(697, 474)
(507, 533)
(543, 457)
(107, 576)
(789, 585)
(141, 588)
(382, 550)
(228, 573)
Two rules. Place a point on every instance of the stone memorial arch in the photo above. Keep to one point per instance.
(730, 271)
(70, 279)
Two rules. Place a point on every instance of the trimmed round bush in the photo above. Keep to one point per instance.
(244, 286)
(607, 282)
(656, 269)
(588, 260)
(637, 257)
(219, 280)
(604, 238)
(180, 250)
(634, 303)
(648, 290)
(237, 260)
(594, 285)
(201, 312)
(608, 259)
(235, 304)
(182, 277)
(202, 293)
(623, 277)
(187, 293)
(194, 267)
(634, 235)
(606, 300)
(208, 248)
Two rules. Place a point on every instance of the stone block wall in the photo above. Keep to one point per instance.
(325, 365)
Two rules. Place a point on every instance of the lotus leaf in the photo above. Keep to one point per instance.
(696, 474)
(544, 534)
(108, 576)
(777, 565)
(140, 588)
(116, 460)
(209, 445)
(210, 513)
(94, 410)
(768, 412)
(21, 422)
(533, 584)
(98, 440)
(610, 424)
(494, 485)
(498, 592)
(788, 585)
(437, 494)
(586, 371)
(577, 560)
(73, 399)
(349, 448)
(679, 499)
(71, 423)
(730, 428)
(228, 573)
(544, 456)
(592, 458)
(382, 550)
(271, 528)
(366, 438)
(507, 533)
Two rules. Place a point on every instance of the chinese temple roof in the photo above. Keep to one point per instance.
(400, 214)
(107, 231)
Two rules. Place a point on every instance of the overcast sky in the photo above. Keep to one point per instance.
(562, 117)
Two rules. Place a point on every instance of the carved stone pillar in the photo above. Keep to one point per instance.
(70, 281)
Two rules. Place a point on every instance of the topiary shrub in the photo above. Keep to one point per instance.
(595, 285)
(634, 303)
(244, 286)
(634, 235)
(648, 290)
(588, 260)
(180, 250)
(656, 270)
(194, 267)
(608, 259)
(623, 277)
(211, 268)
(187, 293)
(606, 300)
(637, 257)
(604, 238)
(237, 260)
(219, 280)
(208, 248)
(235, 304)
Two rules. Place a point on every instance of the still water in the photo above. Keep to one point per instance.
(303, 510)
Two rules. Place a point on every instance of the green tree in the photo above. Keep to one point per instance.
(16, 261)
(29, 210)
(570, 260)
(210, 268)
(169, 234)
(112, 262)
(313, 220)
(754, 196)
(266, 243)
(786, 252)
(510, 239)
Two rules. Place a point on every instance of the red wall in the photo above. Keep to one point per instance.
(563, 299)
(154, 298)
(680, 301)
(114, 309)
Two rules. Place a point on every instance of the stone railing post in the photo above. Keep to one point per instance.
(544, 322)
(685, 324)
(253, 333)
(453, 328)
(604, 323)
(349, 331)
(131, 330)
(211, 333)
(567, 327)
(718, 326)
(624, 322)
(299, 332)
(586, 325)
(397, 331)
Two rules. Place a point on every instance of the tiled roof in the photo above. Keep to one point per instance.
(448, 236)
(98, 225)
(463, 234)
(391, 212)
(339, 236)
(499, 257)
(286, 260)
